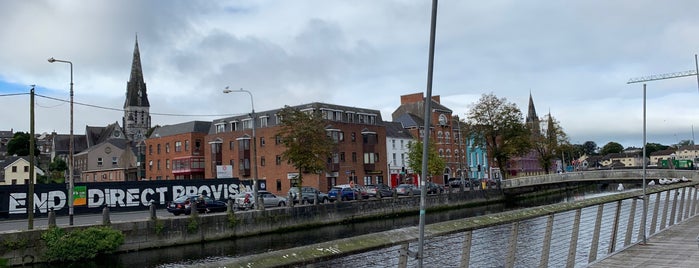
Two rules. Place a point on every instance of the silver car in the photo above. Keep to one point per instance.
(245, 201)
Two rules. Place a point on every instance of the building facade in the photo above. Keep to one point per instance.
(177, 152)
(14, 170)
(398, 141)
(359, 135)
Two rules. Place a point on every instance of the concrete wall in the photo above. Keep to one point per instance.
(209, 227)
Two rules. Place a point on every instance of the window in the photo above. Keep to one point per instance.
(186, 145)
(342, 156)
(440, 136)
(279, 185)
(367, 180)
(231, 145)
(262, 141)
(150, 149)
(401, 144)
(278, 160)
(220, 128)
(354, 157)
(158, 167)
(393, 144)
(167, 163)
(234, 125)
(446, 137)
(354, 137)
(167, 148)
(150, 165)
(402, 159)
(99, 161)
(394, 159)
(26, 168)
(264, 120)
(277, 139)
(178, 146)
(247, 124)
(370, 158)
(115, 161)
(14, 169)
(262, 161)
(158, 149)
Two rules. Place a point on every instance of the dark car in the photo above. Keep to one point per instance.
(308, 193)
(343, 192)
(433, 188)
(204, 204)
(407, 189)
(379, 190)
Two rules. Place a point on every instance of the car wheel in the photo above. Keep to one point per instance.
(325, 200)
(281, 204)
(176, 213)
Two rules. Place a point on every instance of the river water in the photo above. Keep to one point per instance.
(492, 239)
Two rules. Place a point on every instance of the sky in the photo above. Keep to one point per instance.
(574, 58)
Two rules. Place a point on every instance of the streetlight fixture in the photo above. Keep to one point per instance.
(70, 154)
(254, 145)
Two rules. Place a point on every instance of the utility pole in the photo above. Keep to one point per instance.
(30, 198)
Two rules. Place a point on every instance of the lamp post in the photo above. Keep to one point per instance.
(70, 154)
(254, 145)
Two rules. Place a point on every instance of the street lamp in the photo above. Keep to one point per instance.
(254, 144)
(70, 154)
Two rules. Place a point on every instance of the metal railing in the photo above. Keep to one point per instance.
(558, 235)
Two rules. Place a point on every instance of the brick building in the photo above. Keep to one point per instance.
(359, 156)
(176, 152)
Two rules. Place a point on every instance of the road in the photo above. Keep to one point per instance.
(88, 219)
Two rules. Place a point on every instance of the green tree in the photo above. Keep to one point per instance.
(654, 147)
(308, 146)
(611, 148)
(57, 170)
(19, 145)
(548, 145)
(435, 164)
(589, 148)
(498, 125)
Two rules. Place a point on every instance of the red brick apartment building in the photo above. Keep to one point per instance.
(359, 156)
(443, 131)
(177, 152)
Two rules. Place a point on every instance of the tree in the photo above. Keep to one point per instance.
(435, 163)
(548, 144)
(589, 148)
(654, 147)
(19, 145)
(308, 146)
(611, 148)
(57, 169)
(499, 126)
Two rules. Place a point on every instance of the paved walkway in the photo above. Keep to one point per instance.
(674, 247)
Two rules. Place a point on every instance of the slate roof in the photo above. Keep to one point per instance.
(396, 130)
(187, 127)
(409, 120)
(61, 143)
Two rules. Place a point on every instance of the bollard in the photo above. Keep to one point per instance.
(229, 209)
(291, 200)
(52, 218)
(152, 211)
(193, 209)
(315, 199)
(105, 216)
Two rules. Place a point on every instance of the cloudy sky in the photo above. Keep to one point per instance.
(574, 57)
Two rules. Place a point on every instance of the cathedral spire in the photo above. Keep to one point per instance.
(136, 94)
(532, 118)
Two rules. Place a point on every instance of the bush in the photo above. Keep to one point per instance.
(80, 244)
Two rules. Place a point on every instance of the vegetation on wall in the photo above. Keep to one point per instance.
(80, 244)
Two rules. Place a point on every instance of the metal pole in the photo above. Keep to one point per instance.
(425, 139)
(71, 144)
(645, 198)
(32, 175)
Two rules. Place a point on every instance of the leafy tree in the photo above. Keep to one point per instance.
(308, 146)
(57, 169)
(654, 147)
(19, 145)
(548, 145)
(499, 125)
(611, 148)
(589, 148)
(435, 163)
(683, 143)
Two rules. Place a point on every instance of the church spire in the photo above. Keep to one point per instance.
(532, 118)
(136, 94)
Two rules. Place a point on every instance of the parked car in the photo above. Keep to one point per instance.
(343, 192)
(379, 190)
(308, 193)
(362, 191)
(204, 204)
(407, 189)
(245, 201)
(433, 188)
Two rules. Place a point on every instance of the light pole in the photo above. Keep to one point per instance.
(70, 154)
(254, 145)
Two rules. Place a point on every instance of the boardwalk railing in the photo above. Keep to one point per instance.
(594, 175)
(558, 235)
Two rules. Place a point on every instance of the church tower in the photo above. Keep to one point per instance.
(136, 120)
(533, 120)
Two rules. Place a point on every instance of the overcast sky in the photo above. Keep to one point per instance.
(574, 57)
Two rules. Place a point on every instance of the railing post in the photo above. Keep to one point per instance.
(512, 246)
(674, 208)
(573, 248)
(629, 224)
(615, 228)
(403, 256)
(52, 218)
(594, 244)
(466, 249)
(656, 208)
(546, 247)
(666, 205)
(682, 205)
(693, 211)
(153, 216)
